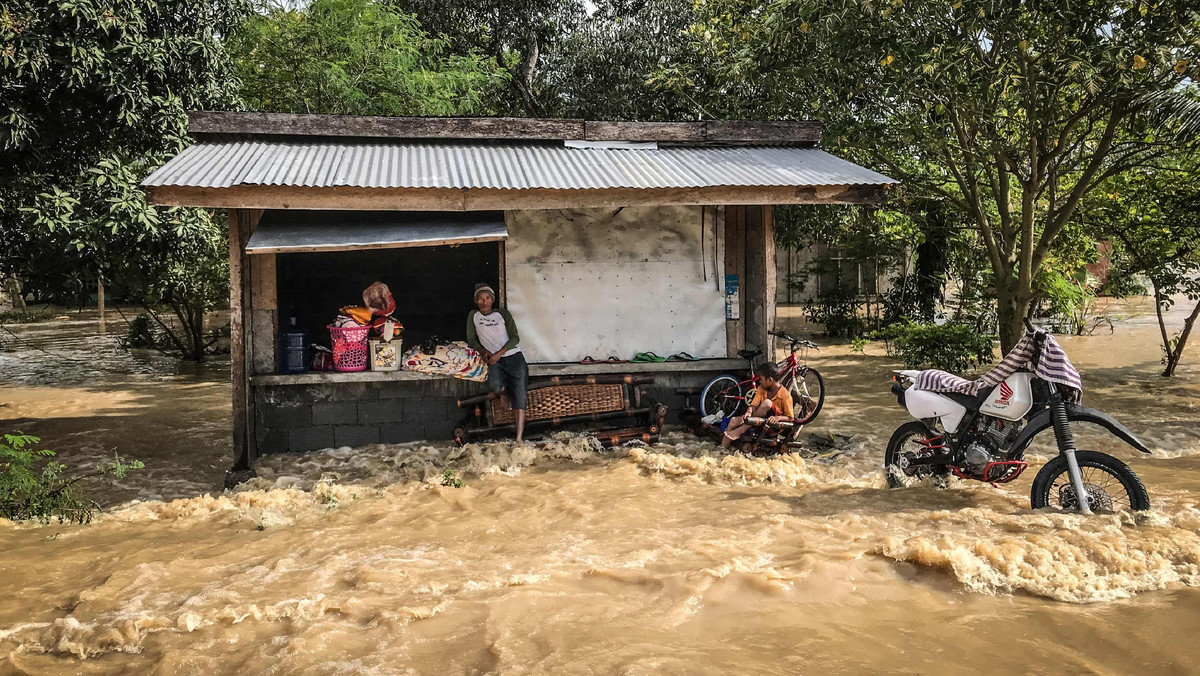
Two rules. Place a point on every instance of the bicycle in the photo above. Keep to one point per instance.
(726, 394)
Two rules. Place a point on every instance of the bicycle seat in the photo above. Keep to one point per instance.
(749, 354)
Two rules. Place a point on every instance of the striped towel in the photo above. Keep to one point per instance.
(1053, 366)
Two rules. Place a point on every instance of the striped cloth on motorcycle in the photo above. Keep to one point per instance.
(1053, 366)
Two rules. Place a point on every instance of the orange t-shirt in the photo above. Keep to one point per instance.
(782, 401)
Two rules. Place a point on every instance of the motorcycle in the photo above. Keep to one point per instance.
(983, 436)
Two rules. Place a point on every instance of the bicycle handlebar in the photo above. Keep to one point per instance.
(1028, 325)
(795, 341)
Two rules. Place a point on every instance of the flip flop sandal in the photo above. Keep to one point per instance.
(589, 360)
(682, 356)
(615, 360)
(647, 358)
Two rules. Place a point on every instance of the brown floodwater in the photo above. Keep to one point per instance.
(674, 558)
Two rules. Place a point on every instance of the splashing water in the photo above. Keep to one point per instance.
(558, 558)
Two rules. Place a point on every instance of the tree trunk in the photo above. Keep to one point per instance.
(16, 289)
(1011, 308)
(1174, 355)
(100, 302)
(523, 82)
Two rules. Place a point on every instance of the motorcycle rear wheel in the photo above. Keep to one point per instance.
(1110, 484)
(904, 439)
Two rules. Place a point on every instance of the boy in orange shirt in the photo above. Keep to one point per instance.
(771, 400)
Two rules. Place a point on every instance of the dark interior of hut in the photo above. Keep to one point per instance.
(432, 286)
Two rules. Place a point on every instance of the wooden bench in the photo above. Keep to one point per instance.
(613, 408)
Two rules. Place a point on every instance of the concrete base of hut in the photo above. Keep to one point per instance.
(316, 411)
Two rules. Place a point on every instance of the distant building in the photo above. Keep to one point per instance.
(867, 278)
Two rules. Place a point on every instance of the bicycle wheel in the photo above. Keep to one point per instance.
(808, 395)
(722, 394)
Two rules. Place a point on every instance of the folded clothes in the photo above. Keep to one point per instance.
(455, 360)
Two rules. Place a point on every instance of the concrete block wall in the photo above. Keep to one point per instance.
(305, 418)
(291, 418)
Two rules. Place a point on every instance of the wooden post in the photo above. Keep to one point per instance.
(770, 288)
(100, 302)
(759, 285)
(735, 264)
(264, 315)
(241, 224)
(502, 274)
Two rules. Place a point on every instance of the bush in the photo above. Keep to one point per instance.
(144, 333)
(837, 311)
(30, 492)
(1069, 302)
(950, 347)
(18, 317)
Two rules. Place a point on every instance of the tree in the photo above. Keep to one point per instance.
(93, 95)
(356, 57)
(1013, 111)
(628, 61)
(516, 33)
(1152, 218)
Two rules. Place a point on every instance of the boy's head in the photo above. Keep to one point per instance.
(767, 374)
(485, 298)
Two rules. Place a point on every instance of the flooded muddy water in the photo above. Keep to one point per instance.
(674, 558)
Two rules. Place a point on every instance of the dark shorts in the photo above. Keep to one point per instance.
(511, 373)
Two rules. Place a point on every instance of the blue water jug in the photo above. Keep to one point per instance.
(293, 350)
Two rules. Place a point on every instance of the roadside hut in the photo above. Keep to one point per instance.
(603, 238)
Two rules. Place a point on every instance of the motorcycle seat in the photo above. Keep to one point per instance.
(749, 354)
(971, 403)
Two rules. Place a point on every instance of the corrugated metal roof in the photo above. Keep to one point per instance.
(512, 166)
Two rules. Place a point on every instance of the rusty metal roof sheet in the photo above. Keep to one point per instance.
(511, 166)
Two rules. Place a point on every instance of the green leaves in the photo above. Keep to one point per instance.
(93, 95)
(30, 492)
(355, 57)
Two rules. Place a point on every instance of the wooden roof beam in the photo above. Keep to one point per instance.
(715, 132)
(482, 199)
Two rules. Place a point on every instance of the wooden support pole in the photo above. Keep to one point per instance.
(238, 376)
(735, 264)
(770, 280)
(758, 288)
(241, 225)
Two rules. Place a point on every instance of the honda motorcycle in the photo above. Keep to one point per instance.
(984, 437)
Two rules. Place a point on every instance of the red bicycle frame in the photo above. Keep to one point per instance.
(791, 366)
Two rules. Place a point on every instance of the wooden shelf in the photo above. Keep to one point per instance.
(535, 371)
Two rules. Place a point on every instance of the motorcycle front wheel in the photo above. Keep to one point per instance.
(1111, 485)
(907, 439)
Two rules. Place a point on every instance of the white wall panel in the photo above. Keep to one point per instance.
(615, 281)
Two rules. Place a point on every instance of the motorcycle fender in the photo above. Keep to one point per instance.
(1076, 413)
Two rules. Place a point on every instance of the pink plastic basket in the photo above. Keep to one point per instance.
(350, 350)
